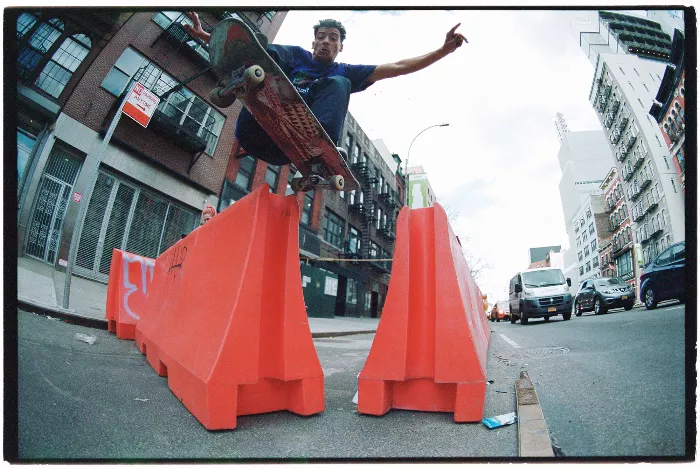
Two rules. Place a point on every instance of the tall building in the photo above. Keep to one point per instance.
(592, 228)
(607, 32)
(561, 125)
(668, 108)
(584, 160)
(630, 54)
(74, 67)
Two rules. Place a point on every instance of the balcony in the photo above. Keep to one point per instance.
(637, 161)
(387, 231)
(627, 172)
(641, 212)
(620, 248)
(358, 208)
(652, 203)
(634, 190)
(622, 124)
(180, 135)
(655, 230)
(615, 136)
(644, 181)
(627, 144)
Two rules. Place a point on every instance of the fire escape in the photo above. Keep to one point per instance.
(366, 208)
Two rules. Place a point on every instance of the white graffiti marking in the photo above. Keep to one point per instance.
(131, 287)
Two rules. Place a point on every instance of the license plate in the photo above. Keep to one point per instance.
(551, 309)
(624, 297)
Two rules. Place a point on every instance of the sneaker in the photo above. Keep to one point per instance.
(262, 39)
(343, 152)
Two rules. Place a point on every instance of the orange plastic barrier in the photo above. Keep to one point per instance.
(228, 324)
(130, 278)
(429, 352)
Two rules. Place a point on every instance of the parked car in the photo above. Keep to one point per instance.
(499, 312)
(664, 278)
(602, 293)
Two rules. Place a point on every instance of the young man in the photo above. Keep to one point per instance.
(324, 84)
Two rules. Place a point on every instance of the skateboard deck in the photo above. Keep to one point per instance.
(246, 72)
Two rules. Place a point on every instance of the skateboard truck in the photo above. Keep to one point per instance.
(244, 79)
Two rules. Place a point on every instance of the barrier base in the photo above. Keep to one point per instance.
(466, 400)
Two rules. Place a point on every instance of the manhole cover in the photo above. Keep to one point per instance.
(533, 353)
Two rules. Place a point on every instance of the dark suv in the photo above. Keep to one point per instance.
(664, 277)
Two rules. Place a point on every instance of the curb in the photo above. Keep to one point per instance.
(533, 435)
(74, 317)
(69, 315)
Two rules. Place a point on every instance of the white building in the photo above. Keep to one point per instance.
(590, 225)
(584, 159)
(624, 88)
(420, 192)
(561, 125)
(630, 54)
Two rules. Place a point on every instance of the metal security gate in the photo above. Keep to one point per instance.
(55, 189)
(125, 216)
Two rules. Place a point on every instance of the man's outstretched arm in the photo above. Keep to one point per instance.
(453, 40)
(196, 30)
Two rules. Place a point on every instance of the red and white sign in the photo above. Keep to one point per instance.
(141, 104)
(77, 197)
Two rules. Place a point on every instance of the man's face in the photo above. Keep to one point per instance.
(326, 45)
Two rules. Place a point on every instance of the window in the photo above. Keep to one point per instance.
(308, 206)
(580, 255)
(624, 264)
(586, 251)
(353, 240)
(272, 176)
(588, 266)
(594, 244)
(373, 250)
(588, 214)
(245, 172)
(40, 42)
(630, 83)
(25, 21)
(379, 218)
(165, 18)
(673, 184)
(25, 146)
(292, 172)
(623, 72)
(351, 293)
(333, 229)
(182, 108)
(591, 228)
(595, 262)
(64, 62)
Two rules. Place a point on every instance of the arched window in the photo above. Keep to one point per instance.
(25, 21)
(59, 69)
(39, 44)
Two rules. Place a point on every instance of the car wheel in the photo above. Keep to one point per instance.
(579, 309)
(598, 306)
(650, 299)
(566, 316)
(512, 318)
(546, 319)
(523, 317)
(628, 307)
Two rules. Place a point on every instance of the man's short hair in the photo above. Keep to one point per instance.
(329, 23)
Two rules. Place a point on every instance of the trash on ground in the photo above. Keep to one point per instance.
(503, 391)
(141, 400)
(357, 393)
(90, 339)
(500, 420)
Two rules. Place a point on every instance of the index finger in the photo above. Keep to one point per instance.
(453, 29)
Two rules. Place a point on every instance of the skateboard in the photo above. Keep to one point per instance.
(246, 72)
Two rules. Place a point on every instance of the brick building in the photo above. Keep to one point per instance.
(73, 67)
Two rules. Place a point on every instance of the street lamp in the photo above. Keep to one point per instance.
(409, 153)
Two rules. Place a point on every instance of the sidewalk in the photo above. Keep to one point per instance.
(40, 289)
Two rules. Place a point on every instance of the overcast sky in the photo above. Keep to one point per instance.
(496, 164)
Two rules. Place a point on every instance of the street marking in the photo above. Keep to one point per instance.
(509, 341)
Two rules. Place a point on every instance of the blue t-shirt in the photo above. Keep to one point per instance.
(303, 70)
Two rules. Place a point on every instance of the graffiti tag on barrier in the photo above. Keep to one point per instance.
(146, 265)
(175, 263)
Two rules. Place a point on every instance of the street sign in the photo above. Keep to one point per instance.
(141, 104)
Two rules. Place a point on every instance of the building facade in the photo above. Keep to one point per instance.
(669, 106)
(346, 239)
(420, 192)
(74, 68)
(630, 54)
(623, 91)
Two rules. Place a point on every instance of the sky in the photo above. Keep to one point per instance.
(495, 166)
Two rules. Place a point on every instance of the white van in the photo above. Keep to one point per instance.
(539, 293)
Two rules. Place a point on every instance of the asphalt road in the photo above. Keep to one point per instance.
(103, 401)
(611, 385)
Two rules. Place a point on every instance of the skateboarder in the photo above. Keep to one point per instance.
(322, 82)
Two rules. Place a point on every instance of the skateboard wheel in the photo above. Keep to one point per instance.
(220, 101)
(337, 182)
(253, 76)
